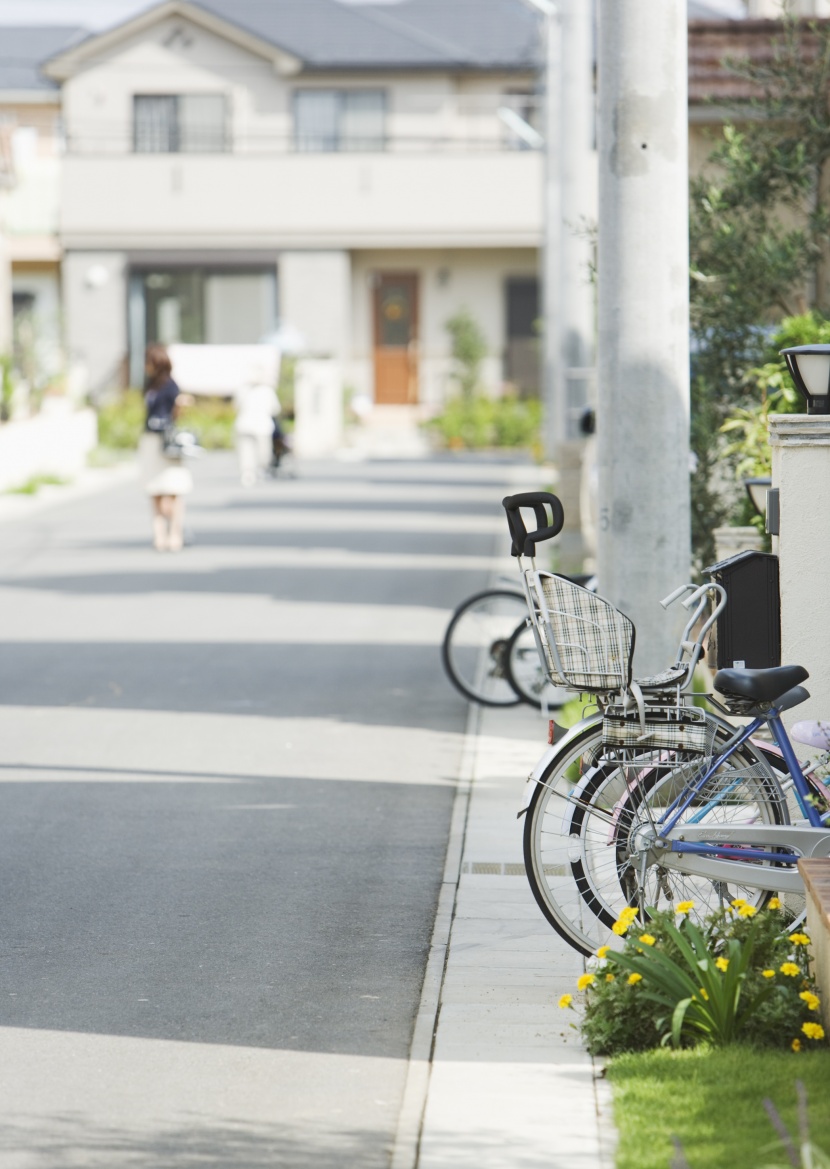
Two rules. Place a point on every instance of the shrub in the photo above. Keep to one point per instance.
(738, 976)
(211, 420)
(121, 420)
(479, 421)
(468, 349)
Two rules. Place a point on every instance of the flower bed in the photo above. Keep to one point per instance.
(739, 976)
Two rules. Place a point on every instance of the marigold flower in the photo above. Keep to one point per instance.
(602, 951)
(629, 914)
(585, 980)
(796, 1045)
(775, 903)
(684, 906)
(722, 963)
(619, 928)
(768, 973)
(813, 1030)
(812, 1000)
(737, 903)
(790, 969)
(633, 979)
(566, 1000)
(799, 939)
(610, 977)
(647, 939)
(747, 911)
(704, 994)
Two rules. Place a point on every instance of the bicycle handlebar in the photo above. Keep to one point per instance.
(524, 542)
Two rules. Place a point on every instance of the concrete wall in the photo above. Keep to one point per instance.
(315, 300)
(95, 307)
(56, 442)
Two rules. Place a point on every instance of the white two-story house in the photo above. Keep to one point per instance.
(340, 175)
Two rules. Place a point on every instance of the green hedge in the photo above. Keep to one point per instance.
(121, 421)
(478, 421)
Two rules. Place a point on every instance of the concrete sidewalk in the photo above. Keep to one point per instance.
(508, 1084)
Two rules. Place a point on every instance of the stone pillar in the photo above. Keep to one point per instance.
(801, 471)
(643, 352)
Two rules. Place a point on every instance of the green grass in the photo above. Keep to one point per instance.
(33, 485)
(712, 1100)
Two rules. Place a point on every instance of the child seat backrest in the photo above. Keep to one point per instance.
(588, 644)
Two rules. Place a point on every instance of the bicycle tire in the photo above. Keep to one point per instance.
(475, 643)
(584, 805)
(526, 674)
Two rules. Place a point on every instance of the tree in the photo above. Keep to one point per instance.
(760, 244)
(469, 349)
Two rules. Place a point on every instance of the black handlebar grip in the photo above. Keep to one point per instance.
(524, 542)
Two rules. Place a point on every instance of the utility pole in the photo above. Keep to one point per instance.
(643, 351)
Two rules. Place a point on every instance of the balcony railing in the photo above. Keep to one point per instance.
(474, 124)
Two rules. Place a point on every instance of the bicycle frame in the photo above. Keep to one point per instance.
(724, 853)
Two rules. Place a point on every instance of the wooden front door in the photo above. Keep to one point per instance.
(396, 339)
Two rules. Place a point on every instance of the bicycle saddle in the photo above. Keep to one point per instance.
(760, 685)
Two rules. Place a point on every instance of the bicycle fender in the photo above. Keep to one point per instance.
(536, 775)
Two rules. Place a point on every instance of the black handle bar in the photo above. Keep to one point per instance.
(524, 542)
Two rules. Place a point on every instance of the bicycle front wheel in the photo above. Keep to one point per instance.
(475, 646)
(582, 825)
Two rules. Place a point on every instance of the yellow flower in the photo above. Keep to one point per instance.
(685, 906)
(566, 1000)
(796, 1045)
(722, 963)
(602, 951)
(813, 1030)
(790, 969)
(775, 903)
(704, 995)
(619, 928)
(737, 903)
(633, 979)
(747, 911)
(609, 977)
(768, 973)
(647, 939)
(812, 1000)
(799, 939)
(585, 981)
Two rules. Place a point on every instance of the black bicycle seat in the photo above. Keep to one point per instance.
(760, 685)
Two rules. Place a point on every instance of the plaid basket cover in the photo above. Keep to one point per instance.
(593, 641)
(683, 728)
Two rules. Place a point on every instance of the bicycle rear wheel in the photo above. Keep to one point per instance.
(475, 646)
(526, 674)
(581, 826)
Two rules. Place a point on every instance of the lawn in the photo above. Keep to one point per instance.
(712, 1100)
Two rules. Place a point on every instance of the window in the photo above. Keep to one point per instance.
(522, 357)
(199, 306)
(192, 123)
(339, 119)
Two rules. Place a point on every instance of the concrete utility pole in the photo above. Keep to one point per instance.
(643, 358)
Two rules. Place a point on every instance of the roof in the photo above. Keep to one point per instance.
(713, 42)
(323, 34)
(327, 35)
(23, 49)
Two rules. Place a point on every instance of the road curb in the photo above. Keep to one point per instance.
(416, 1089)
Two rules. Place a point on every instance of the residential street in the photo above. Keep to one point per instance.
(227, 781)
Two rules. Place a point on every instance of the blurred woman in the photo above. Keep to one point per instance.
(165, 479)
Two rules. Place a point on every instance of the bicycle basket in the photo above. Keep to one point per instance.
(684, 728)
(588, 643)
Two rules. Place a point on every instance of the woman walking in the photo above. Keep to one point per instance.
(165, 480)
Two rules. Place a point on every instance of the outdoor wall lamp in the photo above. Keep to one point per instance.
(809, 367)
(757, 490)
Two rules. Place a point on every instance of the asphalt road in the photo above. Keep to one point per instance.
(226, 779)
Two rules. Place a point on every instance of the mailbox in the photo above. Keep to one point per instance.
(749, 628)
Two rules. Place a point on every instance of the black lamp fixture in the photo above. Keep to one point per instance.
(757, 490)
(809, 367)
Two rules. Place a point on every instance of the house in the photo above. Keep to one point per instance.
(30, 150)
(341, 176)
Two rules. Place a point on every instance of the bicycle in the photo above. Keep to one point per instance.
(654, 801)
